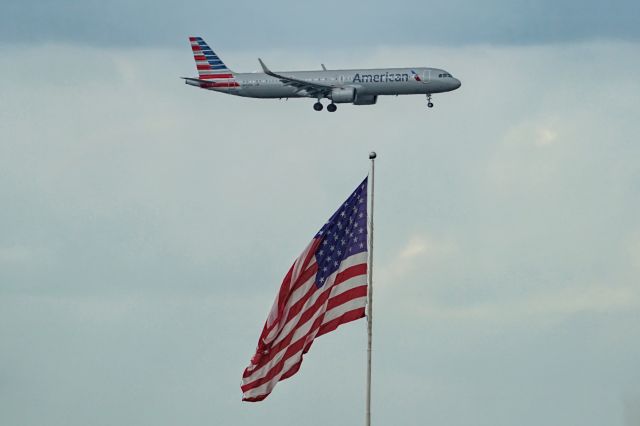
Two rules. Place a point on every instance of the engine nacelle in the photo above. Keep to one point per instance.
(365, 99)
(341, 95)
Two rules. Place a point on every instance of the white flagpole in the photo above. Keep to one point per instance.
(372, 157)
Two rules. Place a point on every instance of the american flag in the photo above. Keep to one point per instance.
(326, 286)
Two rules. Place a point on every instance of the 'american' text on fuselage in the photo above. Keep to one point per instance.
(379, 78)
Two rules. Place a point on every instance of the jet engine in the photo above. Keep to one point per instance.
(341, 95)
(365, 99)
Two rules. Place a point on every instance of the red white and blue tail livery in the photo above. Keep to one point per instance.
(210, 67)
(355, 86)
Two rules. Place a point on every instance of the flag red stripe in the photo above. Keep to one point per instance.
(304, 277)
(295, 310)
(279, 306)
(355, 293)
(323, 329)
(291, 350)
(347, 317)
(297, 307)
(306, 316)
(286, 287)
(283, 322)
(257, 398)
(347, 274)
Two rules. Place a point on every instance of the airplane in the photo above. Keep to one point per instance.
(355, 86)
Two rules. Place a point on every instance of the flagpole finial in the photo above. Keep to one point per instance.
(372, 155)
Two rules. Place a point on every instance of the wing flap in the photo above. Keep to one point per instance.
(312, 88)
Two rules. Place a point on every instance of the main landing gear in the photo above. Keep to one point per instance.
(331, 107)
(429, 103)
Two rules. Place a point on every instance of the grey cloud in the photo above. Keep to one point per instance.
(283, 23)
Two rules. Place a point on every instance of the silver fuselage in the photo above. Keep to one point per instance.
(371, 82)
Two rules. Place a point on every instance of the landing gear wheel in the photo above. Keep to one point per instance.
(430, 104)
(317, 106)
(332, 107)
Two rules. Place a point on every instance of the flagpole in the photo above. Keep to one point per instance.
(372, 157)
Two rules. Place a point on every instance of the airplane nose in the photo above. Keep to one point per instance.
(457, 83)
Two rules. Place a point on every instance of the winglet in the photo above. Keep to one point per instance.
(323, 67)
(264, 67)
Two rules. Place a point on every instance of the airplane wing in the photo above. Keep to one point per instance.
(312, 88)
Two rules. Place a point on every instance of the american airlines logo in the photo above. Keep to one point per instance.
(380, 78)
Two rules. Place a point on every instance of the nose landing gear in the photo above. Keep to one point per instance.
(429, 103)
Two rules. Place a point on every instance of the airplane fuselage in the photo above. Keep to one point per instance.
(366, 82)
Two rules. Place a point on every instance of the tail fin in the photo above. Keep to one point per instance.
(210, 66)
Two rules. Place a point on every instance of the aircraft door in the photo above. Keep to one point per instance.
(426, 75)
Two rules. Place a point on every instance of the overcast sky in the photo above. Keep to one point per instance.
(243, 23)
(146, 225)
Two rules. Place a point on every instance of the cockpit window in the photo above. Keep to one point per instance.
(444, 75)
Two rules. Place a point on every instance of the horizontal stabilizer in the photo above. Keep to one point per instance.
(209, 84)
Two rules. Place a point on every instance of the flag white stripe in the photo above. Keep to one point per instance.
(303, 329)
(303, 290)
(354, 282)
(268, 386)
(356, 259)
(280, 333)
(295, 276)
(294, 359)
(339, 310)
(351, 283)
(273, 314)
